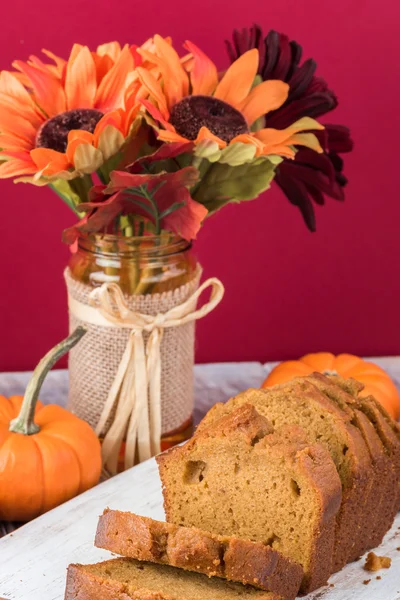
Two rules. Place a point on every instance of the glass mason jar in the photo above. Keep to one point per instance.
(140, 266)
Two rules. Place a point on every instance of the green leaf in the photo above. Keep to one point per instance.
(145, 207)
(63, 189)
(257, 80)
(171, 209)
(110, 165)
(237, 154)
(223, 184)
(275, 159)
(258, 124)
(207, 149)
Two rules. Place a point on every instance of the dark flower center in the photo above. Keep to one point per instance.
(194, 112)
(53, 133)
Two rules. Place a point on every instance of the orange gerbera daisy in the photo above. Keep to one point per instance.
(66, 119)
(191, 103)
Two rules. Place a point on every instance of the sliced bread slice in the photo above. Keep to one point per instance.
(239, 477)
(128, 579)
(302, 403)
(195, 550)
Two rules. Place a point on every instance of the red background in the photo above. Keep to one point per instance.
(287, 291)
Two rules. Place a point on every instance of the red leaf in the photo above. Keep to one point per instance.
(119, 198)
(186, 221)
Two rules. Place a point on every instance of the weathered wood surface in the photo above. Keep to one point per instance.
(33, 559)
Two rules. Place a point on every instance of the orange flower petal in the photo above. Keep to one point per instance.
(34, 61)
(306, 139)
(203, 74)
(155, 90)
(112, 49)
(76, 48)
(14, 95)
(60, 62)
(17, 126)
(12, 168)
(280, 150)
(248, 138)
(205, 134)
(75, 138)
(80, 80)
(12, 142)
(47, 89)
(271, 136)
(171, 136)
(187, 62)
(110, 93)
(176, 82)
(155, 113)
(23, 79)
(263, 98)
(129, 119)
(114, 118)
(103, 64)
(80, 134)
(49, 161)
(238, 79)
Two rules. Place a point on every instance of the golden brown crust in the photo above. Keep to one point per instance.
(84, 584)
(192, 549)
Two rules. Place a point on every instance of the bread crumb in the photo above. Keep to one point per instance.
(378, 577)
(375, 563)
(398, 548)
(331, 585)
(366, 581)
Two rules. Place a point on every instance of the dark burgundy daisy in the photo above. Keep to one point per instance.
(310, 176)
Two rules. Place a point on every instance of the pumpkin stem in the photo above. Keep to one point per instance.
(24, 423)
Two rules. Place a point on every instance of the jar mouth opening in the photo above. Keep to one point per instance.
(149, 245)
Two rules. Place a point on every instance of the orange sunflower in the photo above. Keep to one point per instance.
(66, 119)
(189, 102)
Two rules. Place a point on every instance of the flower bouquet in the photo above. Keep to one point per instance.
(144, 143)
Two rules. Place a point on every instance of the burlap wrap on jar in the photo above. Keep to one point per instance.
(94, 363)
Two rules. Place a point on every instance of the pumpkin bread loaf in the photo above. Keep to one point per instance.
(387, 428)
(302, 403)
(379, 505)
(128, 579)
(191, 549)
(240, 477)
(369, 501)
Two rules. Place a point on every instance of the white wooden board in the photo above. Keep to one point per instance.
(33, 560)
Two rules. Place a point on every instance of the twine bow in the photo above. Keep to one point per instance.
(137, 384)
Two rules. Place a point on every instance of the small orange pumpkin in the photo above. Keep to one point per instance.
(376, 381)
(47, 455)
